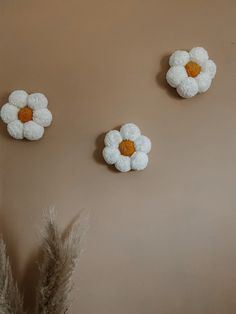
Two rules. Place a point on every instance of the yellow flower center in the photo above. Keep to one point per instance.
(192, 68)
(127, 148)
(25, 114)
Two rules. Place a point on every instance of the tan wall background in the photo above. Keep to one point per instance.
(162, 240)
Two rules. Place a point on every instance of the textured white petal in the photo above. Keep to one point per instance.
(42, 117)
(188, 88)
(123, 164)
(143, 144)
(9, 113)
(130, 131)
(176, 75)
(209, 67)
(37, 101)
(179, 57)
(15, 129)
(111, 155)
(113, 138)
(18, 98)
(204, 82)
(198, 55)
(139, 161)
(33, 131)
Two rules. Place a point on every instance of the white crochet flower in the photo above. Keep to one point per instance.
(127, 149)
(191, 72)
(26, 115)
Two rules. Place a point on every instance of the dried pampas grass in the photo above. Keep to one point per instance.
(61, 253)
(10, 299)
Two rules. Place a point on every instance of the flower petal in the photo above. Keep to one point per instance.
(204, 82)
(111, 155)
(15, 129)
(33, 131)
(139, 161)
(179, 57)
(188, 88)
(42, 117)
(18, 98)
(209, 67)
(37, 101)
(198, 55)
(123, 164)
(176, 75)
(113, 138)
(143, 144)
(9, 113)
(130, 131)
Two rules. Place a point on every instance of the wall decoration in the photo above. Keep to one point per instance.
(127, 149)
(190, 72)
(61, 251)
(26, 115)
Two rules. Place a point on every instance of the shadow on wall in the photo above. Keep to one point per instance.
(3, 126)
(28, 282)
(6, 232)
(97, 155)
(99, 143)
(161, 78)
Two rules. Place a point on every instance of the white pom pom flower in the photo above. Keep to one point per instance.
(191, 72)
(26, 115)
(127, 149)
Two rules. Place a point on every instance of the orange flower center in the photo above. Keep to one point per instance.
(192, 68)
(25, 114)
(127, 148)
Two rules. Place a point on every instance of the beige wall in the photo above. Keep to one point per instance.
(162, 240)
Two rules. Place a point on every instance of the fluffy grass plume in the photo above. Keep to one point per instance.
(61, 252)
(11, 301)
